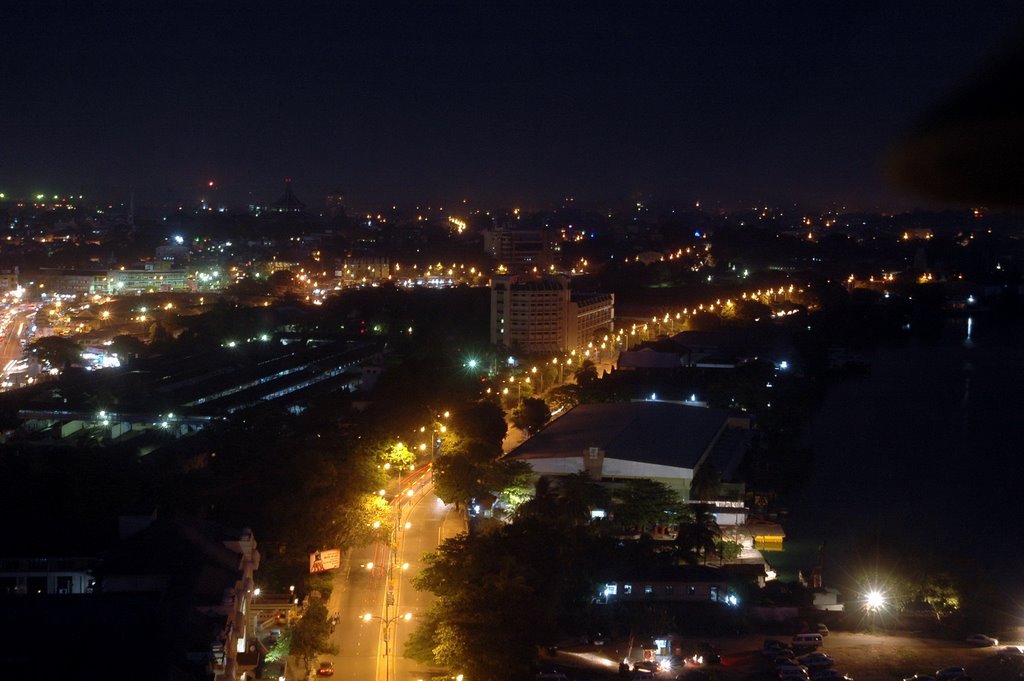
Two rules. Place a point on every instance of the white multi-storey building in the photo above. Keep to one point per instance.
(541, 314)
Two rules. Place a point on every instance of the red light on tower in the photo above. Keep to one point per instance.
(210, 184)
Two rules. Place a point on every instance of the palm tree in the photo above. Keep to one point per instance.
(704, 486)
(578, 494)
(698, 538)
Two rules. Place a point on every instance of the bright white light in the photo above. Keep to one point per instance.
(179, 239)
(874, 599)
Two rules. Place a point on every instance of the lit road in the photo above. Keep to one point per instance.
(18, 322)
(427, 517)
(360, 590)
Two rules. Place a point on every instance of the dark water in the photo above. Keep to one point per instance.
(925, 455)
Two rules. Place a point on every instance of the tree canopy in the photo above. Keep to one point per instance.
(531, 415)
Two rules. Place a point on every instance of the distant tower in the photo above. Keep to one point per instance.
(334, 205)
(288, 203)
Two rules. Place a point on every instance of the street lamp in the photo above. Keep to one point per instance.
(387, 622)
(874, 600)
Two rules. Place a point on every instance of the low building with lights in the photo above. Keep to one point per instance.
(157, 277)
(615, 442)
(365, 269)
(541, 314)
(9, 279)
(682, 583)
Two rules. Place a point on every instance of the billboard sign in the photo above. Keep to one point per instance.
(324, 560)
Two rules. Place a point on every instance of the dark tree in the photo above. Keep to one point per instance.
(704, 486)
(57, 351)
(531, 415)
(642, 504)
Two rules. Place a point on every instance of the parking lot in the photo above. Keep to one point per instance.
(863, 656)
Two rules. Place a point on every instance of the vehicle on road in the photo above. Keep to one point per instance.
(950, 673)
(982, 640)
(325, 669)
(821, 629)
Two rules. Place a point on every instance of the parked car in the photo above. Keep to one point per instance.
(703, 653)
(1011, 653)
(982, 640)
(778, 651)
(821, 629)
(784, 659)
(816, 661)
(782, 670)
(950, 673)
(325, 669)
(807, 640)
(645, 666)
(828, 675)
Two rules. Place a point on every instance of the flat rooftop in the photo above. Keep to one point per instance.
(663, 433)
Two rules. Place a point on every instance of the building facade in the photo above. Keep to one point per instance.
(541, 314)
(153, 278)
(519, 248)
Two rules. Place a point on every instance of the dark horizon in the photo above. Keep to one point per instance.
(501, 104)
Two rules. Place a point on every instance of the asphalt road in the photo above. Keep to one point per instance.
(10, 344)
(359, 590)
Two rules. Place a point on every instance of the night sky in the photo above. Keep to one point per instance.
(504, 103)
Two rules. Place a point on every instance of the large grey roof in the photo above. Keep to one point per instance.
(663, 433)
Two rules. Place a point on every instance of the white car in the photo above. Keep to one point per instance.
(1011, 653)
(982, 640)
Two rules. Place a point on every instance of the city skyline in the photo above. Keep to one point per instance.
(515, 105)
